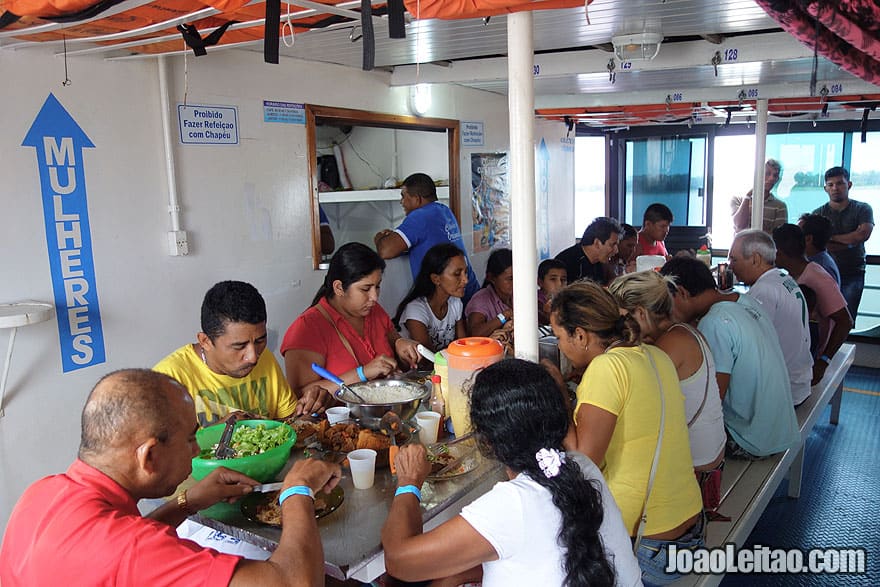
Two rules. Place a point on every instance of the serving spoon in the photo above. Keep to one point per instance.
(337, 380)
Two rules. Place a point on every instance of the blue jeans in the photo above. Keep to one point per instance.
(653, 554)
(851, 286)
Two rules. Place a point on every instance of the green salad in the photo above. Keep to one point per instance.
(248, 441)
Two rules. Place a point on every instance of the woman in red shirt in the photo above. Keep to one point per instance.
(346, 330)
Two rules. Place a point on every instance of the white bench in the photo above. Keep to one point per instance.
(748, 486)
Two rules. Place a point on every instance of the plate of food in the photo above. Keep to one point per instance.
(348, 435)
(306, 429)
(263, 508)
(464, 457)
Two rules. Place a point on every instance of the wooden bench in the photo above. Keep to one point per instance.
(748, 486)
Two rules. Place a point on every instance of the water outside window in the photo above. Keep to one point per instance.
(589, 181)
(804, 158)
(669, 170)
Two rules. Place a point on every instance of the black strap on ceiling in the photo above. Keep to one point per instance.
(369, 36)
(396, 22)
(194, 40)
(869, 107)
(271, 31)
(7, 18)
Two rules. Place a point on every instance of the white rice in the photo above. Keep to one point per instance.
(384, 394)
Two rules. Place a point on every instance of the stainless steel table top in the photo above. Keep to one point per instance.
(351, 534)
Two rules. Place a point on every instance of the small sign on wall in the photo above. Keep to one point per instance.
(207, 125)
(286, 112)
(472, 134)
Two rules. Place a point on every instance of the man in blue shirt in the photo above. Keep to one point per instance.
(755, 392)
(427, 223)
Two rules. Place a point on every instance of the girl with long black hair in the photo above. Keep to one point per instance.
(552, 523)
(432, 311)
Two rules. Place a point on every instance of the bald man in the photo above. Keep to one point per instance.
(138, 441)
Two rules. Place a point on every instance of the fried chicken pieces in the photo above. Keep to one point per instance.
(348, 436)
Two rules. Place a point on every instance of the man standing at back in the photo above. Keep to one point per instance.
(587, 258)
(851, 225)
(755, 392)
(752, 258)
(427, 223)
(775, 210)
(227, 369)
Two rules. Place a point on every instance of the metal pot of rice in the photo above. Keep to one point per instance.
(384, 395)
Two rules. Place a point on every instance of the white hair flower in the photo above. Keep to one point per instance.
(550, 460)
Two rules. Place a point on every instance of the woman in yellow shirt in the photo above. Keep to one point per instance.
(627, 392)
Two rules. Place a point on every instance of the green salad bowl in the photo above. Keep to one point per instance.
(263, 467)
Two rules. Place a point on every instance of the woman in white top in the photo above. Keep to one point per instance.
(553, 523)
(431, 313)
(647, 298)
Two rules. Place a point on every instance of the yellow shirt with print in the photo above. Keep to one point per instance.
(622, 382)
(263, 391)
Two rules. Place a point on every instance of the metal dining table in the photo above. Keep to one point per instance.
(351, 535)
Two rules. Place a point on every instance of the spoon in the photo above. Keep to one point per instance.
(390, 424)
(335, 379)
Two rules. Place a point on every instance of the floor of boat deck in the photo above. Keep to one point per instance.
(839, 506)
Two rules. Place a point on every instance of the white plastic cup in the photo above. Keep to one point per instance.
(337, 414)
(429, 424)
(362, 463)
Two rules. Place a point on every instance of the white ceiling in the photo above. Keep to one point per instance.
(572, 51)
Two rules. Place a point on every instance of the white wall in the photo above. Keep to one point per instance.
(245, 207)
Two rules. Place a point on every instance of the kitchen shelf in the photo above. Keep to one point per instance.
(383, 195)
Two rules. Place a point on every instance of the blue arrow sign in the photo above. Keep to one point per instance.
(59, 142)
(543, 200)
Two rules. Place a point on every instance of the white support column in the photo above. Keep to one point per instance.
(521, 100)
(760, 154)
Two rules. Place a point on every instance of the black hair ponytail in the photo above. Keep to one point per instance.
(516, 410)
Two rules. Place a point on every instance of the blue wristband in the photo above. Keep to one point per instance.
(502, 318)
(825, 358)
(409, 489)
(296, 490)
(360, 372)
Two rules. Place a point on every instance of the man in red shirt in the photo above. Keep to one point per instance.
(83, 527)
(655, 228)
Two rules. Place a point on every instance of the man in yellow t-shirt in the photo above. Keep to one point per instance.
(227, 369)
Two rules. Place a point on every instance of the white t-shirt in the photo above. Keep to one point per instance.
(441, 330)
(521, 523)
(785, 305)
